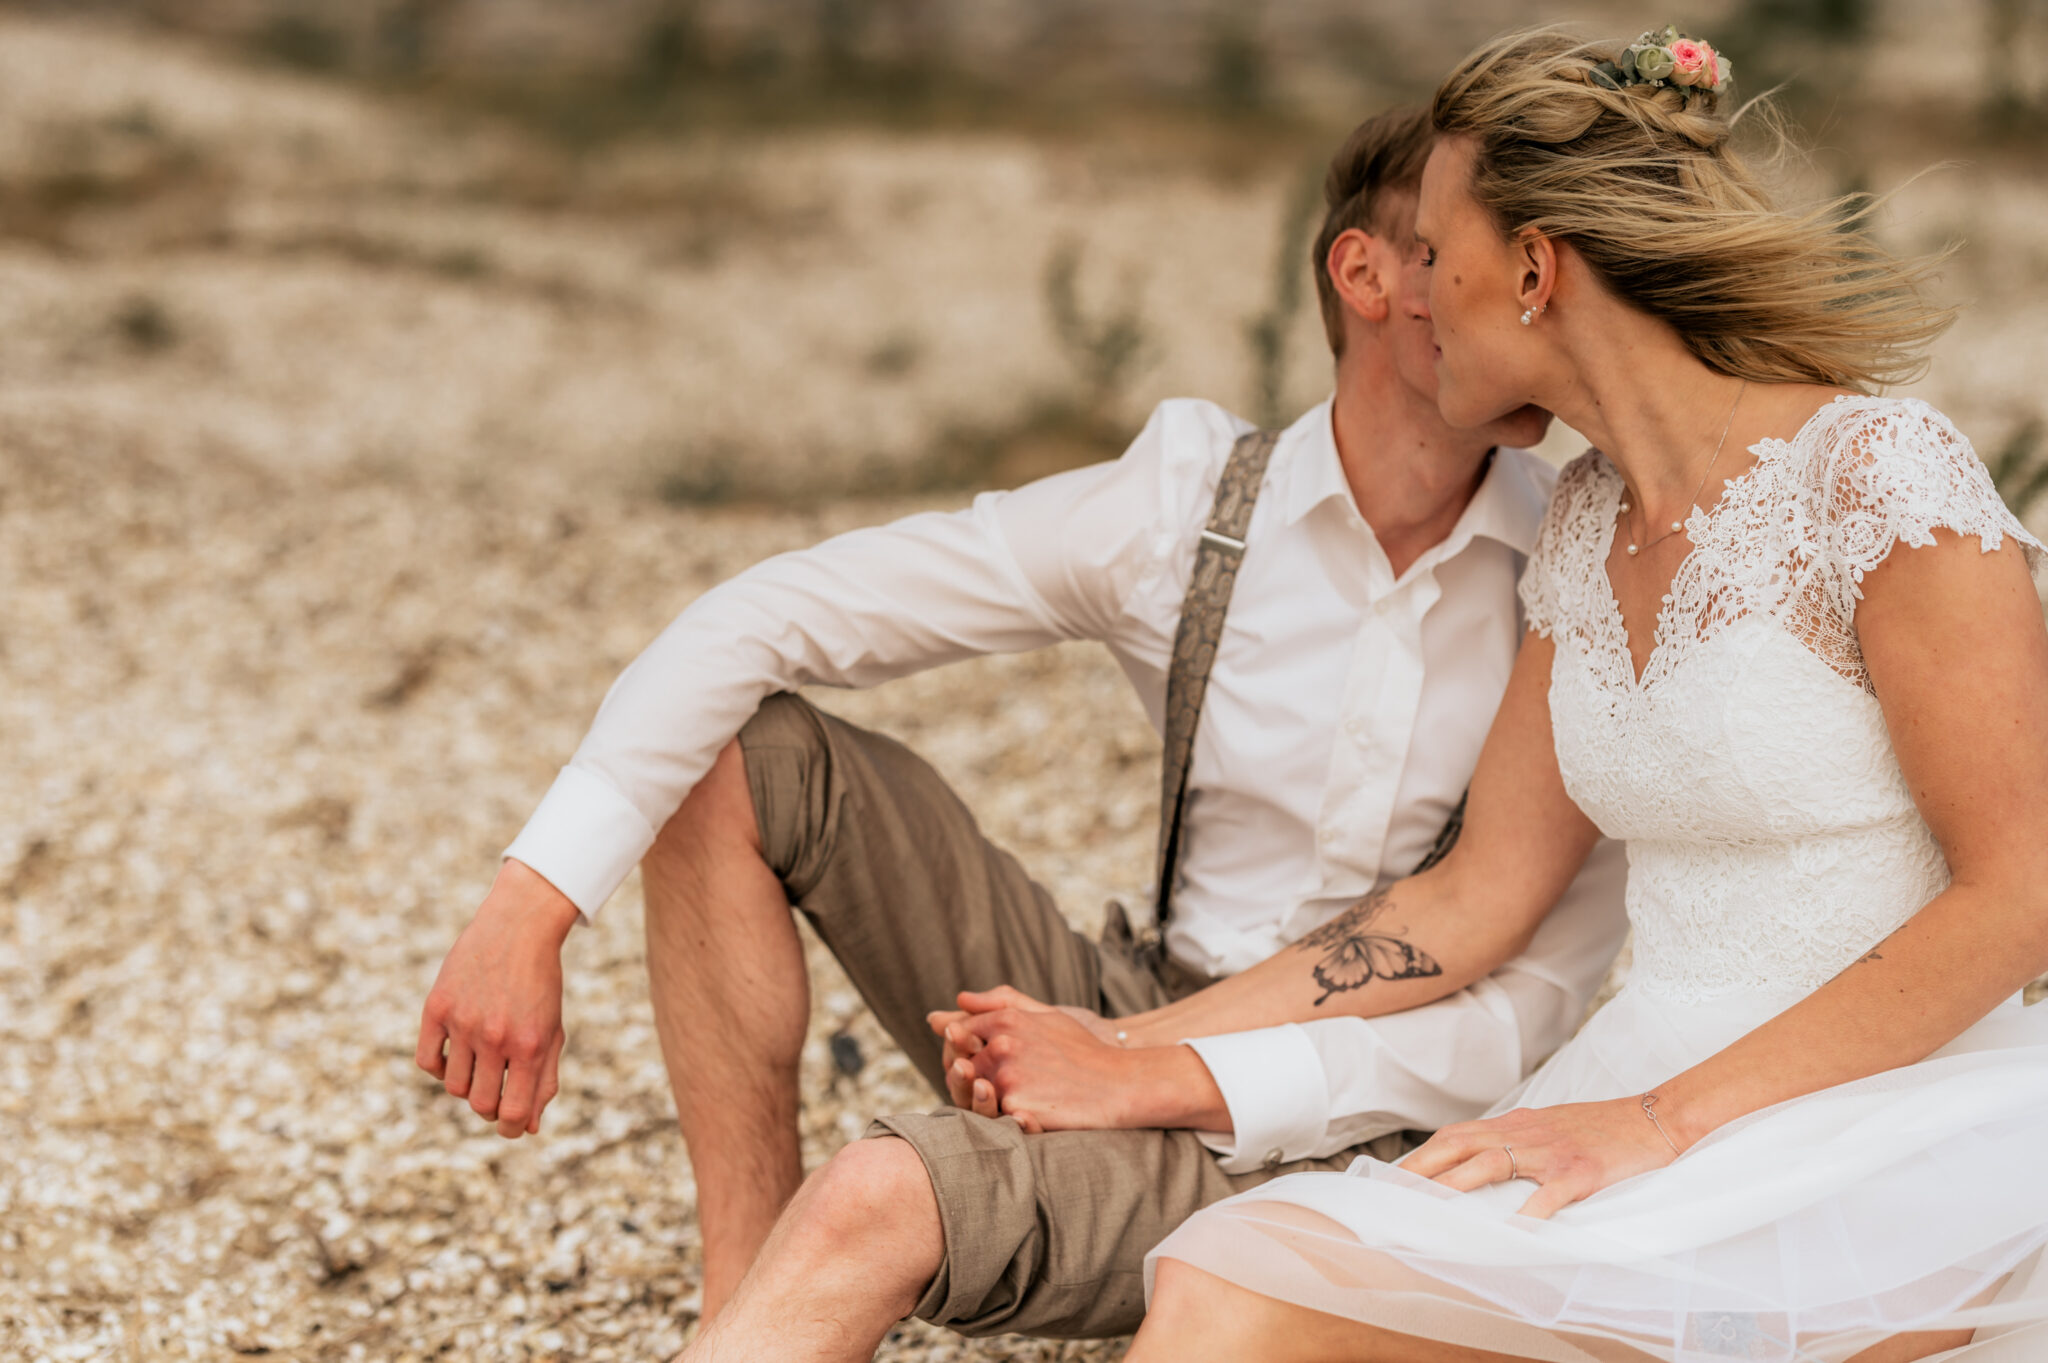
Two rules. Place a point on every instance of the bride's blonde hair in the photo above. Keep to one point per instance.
(1643, 183)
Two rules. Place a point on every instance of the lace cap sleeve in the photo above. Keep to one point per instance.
(1895, 472)
(1546, 586)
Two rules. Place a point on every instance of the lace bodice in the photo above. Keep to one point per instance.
(1771, 836)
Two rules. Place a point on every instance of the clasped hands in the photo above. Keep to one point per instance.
(1060, 1069)
(1051, 1068)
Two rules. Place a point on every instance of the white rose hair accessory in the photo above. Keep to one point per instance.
(1666, 57)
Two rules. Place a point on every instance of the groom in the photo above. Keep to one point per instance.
(1367, 640)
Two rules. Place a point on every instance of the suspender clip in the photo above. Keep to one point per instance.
(1224, 542)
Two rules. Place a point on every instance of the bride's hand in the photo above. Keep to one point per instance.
(1573, 1151)
(964, 1087)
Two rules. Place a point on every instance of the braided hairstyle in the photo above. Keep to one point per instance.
(1645, 184)
(1383, 155)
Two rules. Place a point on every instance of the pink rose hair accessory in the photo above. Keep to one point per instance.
(1665, 57)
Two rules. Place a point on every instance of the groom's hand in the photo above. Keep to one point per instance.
(974, 1001)
(491, 1030)
(956, 1056)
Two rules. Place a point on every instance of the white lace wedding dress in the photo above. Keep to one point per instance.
(1772, 840)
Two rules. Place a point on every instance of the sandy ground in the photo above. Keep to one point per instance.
(328, 435)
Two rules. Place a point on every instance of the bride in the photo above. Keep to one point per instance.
(1785, 644)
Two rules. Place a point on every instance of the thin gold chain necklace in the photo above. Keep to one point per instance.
(1677, 526)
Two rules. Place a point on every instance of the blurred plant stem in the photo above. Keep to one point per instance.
(1267, 333)
(1107, 349)
(2009, 106)
(1106, 346)
(2019, 469)
(1838, 20)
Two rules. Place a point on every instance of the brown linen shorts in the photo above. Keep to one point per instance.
(1045, 1235)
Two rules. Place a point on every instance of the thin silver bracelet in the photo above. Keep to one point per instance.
(1650, 1111)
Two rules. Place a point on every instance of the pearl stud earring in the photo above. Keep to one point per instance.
(1529, 317)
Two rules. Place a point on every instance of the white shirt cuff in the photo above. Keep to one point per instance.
(584, 839)
(1272, 1082)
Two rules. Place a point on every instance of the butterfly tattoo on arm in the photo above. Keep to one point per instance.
(1354, 958)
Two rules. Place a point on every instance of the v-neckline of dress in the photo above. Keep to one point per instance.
(1766, 449)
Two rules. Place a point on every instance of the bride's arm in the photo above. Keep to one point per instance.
(1412, 943)
(1420, 939)
(1957, 653)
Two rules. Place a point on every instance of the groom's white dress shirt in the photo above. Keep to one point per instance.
(1344, 716)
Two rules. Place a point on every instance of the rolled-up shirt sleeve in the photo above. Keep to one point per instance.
(1308, 1090)
(1016, 570)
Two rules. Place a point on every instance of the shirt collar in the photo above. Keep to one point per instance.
(1508, 507)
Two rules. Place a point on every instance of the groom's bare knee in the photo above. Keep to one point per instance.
(872, 1204)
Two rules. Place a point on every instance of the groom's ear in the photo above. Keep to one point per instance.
(1358, 263)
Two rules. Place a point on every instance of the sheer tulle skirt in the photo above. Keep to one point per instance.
(1912, 1200)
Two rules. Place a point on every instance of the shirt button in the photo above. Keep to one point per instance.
(1274, 1157)
(1356, 728)
(1383, 605)
(1326, 836)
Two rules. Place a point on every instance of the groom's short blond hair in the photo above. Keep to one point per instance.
(1382, 155)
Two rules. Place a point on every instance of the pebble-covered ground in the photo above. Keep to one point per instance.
(329, 438)
(263, 743)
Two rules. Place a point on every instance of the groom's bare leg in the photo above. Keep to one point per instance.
(731, 1001)
(869, 842)
(850, 1258)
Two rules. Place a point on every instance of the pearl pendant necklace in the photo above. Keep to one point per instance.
(1676, 526)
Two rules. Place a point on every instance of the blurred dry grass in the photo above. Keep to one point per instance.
(353, 435)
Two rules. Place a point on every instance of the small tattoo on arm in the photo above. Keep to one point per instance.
(1871, 955)
(1354, 958)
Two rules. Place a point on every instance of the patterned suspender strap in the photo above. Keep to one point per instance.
(1447, 839)
(1217, 558)
(1194, 648)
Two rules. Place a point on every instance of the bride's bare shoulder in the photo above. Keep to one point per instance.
(1782, 411)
